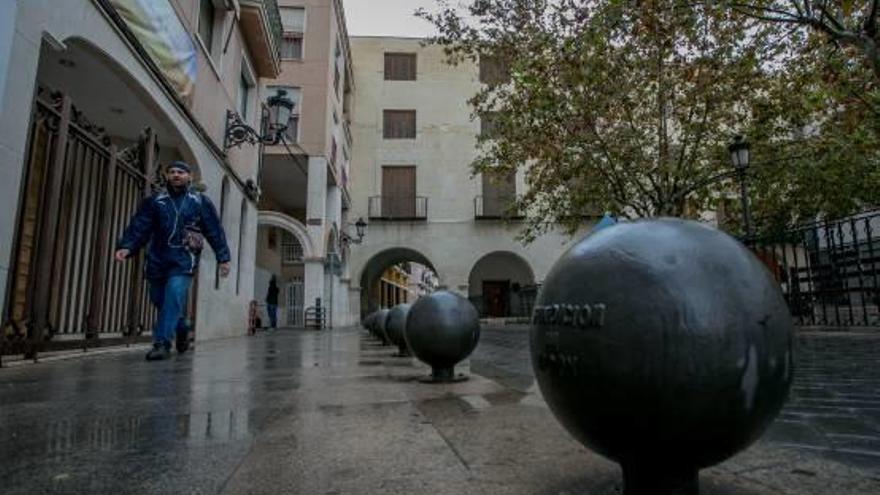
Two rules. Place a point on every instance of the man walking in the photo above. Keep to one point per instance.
(174, 222)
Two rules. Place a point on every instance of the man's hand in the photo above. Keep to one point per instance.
(121, 254)
(224, 269)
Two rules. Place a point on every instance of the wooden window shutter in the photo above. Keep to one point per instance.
(399, 124)
(399, 191)
(400, 66)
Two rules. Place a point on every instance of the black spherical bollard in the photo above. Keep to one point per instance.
(663, 345)
(367, 322)
(379, 325)
(441, 330)
(370, 323)
(396, 326)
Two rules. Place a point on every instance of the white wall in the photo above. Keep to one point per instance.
(442, 152)
(7, 28)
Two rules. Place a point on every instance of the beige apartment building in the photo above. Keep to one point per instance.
(96, 97)
(303, 239)
(415, 140)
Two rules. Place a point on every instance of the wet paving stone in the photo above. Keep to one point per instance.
(322, 412)
(833, 409)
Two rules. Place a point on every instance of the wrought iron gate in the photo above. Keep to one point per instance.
(829, 271)
(79, 192)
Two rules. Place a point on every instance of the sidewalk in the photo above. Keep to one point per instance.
(320, 413)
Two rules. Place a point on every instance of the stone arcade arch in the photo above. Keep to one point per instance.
(500, 283)
(376, 266)
(286, 262)
(290, 224)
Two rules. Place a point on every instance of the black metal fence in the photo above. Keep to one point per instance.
(496, 209)
(78, 194)
(390, 207)
(829, 271)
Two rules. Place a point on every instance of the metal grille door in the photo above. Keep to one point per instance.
(294, 300)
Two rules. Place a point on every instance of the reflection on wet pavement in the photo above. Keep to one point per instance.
(331, 412)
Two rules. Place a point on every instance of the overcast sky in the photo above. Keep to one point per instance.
(387, 17)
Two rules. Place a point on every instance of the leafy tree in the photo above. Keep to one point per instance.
(850, 24)
(629, 107)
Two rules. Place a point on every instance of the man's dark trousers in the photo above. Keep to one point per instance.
(169, 295)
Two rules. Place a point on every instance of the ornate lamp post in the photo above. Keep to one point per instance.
(275, 121)
(361, 229)
(739, 156)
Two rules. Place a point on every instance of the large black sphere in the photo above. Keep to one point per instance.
(441, 330)
(664, 345)
(395, 325)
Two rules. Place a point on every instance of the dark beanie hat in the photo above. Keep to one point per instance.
(179, 165)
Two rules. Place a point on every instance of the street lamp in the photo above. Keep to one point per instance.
(740, 151)
(361, 229)
(275, 121)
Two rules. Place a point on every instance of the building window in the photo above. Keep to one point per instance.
(242, 228)
(292, 46)
(399, 191)
(493, 71)
(244, 94)
(340, 62)
(489, 125)
(333, 149)
(291, 134)
(399, 124)
(207, 13)
(499, 193)
(336, 78)
(293, 22)
(291, 249)
(400, 66)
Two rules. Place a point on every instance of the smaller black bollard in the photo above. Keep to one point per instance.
(442, 329)
(379, 325)
(396, 326)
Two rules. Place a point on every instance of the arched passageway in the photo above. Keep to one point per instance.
(396, 275)
(283, 245)
(502, 284)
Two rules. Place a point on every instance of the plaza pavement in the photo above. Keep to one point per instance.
(333, 412)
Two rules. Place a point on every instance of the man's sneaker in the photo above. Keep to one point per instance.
(158, 353)
(182, 342)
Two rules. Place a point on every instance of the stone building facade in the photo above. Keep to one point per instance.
(305, 179)
(414, 142)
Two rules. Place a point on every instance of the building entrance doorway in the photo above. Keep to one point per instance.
(497, 285)
(496, 297)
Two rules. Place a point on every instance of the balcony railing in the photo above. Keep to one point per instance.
(496, 209)
(261, 26)
(398, 208)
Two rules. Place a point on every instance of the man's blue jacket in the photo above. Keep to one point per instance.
(163, 220)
